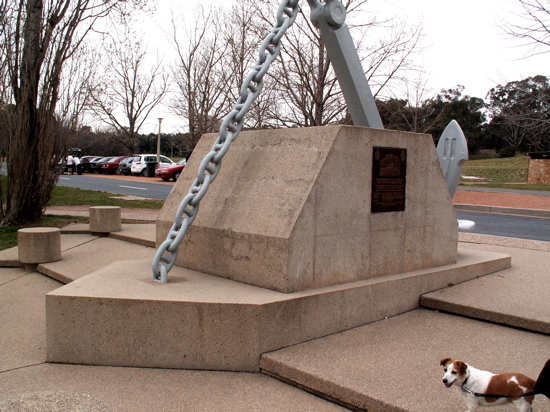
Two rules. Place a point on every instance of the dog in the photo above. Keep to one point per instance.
(482, 388)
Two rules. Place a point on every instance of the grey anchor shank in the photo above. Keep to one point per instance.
(330, 18)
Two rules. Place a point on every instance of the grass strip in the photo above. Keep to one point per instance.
(70, 196)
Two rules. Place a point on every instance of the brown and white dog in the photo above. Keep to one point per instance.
(473, 383)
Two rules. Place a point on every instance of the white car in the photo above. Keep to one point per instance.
(139, 164)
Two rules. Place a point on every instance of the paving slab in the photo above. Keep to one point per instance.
(390, 365)
(519, 296)
(11, 274)
(22, 318)
(91, 256)
(393, 365)
(141, 234)
(52, 401)
(138, 389)
(10, 257)
(511, 242)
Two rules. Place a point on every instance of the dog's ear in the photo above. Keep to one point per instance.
(461, 367)
(445, 361)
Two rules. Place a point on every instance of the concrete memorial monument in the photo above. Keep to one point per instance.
(301, 209)
(306, 233)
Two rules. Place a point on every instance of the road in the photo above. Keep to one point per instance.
(149, 188)
(153, 188)
(509, 225)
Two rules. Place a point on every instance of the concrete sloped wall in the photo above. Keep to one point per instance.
(290, 210)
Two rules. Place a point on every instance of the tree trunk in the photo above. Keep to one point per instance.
(31, 175)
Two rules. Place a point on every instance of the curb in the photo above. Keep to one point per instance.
(503, 210)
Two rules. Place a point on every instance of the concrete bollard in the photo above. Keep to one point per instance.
(39, 245)
(105, 219)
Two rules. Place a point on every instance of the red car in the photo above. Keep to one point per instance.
(170, 172)
(111, 166)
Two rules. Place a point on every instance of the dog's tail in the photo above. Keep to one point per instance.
(542, 385)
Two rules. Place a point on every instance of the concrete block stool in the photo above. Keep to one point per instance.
(105, 219)
(39, 245)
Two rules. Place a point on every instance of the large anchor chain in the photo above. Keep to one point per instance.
(167, 253)
(329, 17)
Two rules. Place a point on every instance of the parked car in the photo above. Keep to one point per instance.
(139, 164)
(171, 172)
(95, 166)
(85, 162)
(124, 166)
(111, 166)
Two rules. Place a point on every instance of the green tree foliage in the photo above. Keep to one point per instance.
(434, 114)
(520, 114)
(398, 114)
(466, 110)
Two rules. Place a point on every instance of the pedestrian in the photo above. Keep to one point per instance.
(77, 165)
(70, 164)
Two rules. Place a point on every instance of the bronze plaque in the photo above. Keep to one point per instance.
(389, 173)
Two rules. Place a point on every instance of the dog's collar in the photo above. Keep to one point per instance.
(468, 391)
(465, 389)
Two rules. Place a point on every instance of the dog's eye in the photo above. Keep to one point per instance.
(445, 369)
(453, 372)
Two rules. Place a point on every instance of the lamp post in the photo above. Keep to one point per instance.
(158, 145)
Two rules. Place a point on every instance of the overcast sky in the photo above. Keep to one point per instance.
(463, 44)
(466, 44)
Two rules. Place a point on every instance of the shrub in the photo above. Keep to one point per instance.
(509, 151)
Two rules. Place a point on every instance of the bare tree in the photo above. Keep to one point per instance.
(244, 36)
(305, 81)
(80, 74)
(200, 74)
(300, 89)
(38, 38)
(520, 112)
(534, 25)
(129, 90)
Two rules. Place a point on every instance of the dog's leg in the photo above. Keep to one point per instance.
(472, 407)
(472, 404)
(470, 401)
(523, 406)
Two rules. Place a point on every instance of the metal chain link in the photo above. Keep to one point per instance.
(166, 255)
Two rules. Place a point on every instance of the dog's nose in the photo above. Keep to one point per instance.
(444, 380)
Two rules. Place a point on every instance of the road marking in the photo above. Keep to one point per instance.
(132, 187)
(64, 178)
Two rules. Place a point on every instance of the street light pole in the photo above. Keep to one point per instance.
(158, 145)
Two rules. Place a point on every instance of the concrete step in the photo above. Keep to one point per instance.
(141, 234)
(390, 364)
(448, 300)
(83, 253)
(393, 365)
(518, 297)
(226, 325)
